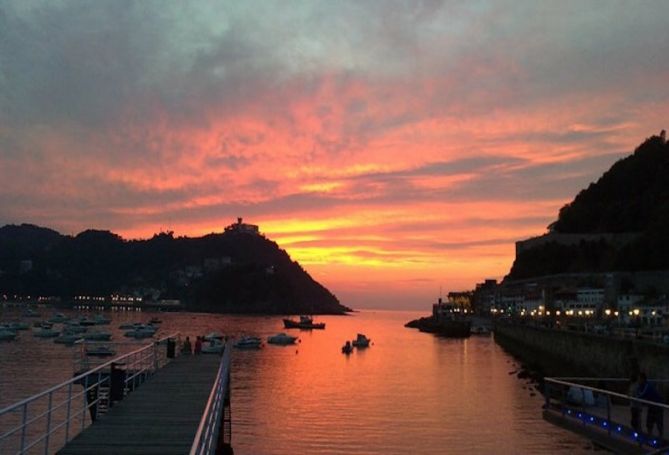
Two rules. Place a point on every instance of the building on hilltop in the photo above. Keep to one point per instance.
(242, 227)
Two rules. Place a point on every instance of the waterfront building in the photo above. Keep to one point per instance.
(442, 311)
(532, 304)
(483, 297)
(626, 303)
(567, 301)
(462, 300)
(644, 312)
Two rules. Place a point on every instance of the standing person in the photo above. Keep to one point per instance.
(198, 345)
(635, 406)
(187, 349)
(654, 416)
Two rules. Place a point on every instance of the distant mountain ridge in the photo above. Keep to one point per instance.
(630, 201)
(232, 272)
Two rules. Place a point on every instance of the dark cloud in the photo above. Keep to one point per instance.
(109, 85)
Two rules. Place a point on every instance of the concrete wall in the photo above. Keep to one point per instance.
(615, 239)
(586, 354)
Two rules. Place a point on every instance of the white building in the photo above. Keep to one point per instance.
(242, 227)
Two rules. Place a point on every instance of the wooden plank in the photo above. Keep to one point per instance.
(160, 417)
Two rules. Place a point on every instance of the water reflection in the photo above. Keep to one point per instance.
(409, 392)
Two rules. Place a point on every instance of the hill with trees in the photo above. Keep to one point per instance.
(631, 197)
(232, 272)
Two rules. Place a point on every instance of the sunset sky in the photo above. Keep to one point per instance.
(390, 147)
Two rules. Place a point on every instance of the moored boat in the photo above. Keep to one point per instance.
(17, 325)
(46, 333)
(30, 313)
(7, 335)
(282, 339)
(305, 323)
(361, 341)
(101, 319)
(215, 346)
(67, 339)
(248, 343)
(97, 336)
(100, 351)
(58, 318)
(130, 325)
(347, 348)
(213, 336)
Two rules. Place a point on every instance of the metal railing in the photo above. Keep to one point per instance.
(207, 437)
(605, 410)
(48, 420)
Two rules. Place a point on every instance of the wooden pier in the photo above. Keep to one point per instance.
(162, 418)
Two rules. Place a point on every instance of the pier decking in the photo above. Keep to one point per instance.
(161, 419)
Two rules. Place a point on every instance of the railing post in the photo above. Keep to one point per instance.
(564, 401)
(69, 407)
(83, 409)
(547, 392)
(155, 356)
(48, 426)
(608, 414)
(23, 427)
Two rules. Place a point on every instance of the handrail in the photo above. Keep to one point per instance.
(568, 378)
(606, 392)
(207, 431)
(597, 410)
(146, 360)
(82, 375)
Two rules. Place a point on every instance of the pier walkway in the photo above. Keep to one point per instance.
(602, 414)
(162, 418)
(144, 402)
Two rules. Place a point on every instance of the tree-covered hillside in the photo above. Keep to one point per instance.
(631, 197)
(229, 272)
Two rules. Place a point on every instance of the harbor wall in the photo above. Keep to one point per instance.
(565, 353)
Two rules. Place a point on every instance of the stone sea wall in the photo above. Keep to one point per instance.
(564, 353)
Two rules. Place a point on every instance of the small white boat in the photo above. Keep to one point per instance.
(67, 339)
(46, 333)
(361, 341)
(248, 343)
(282, 339)
(213, 336)
(213, 347)
(7, 335)
(97, 336)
